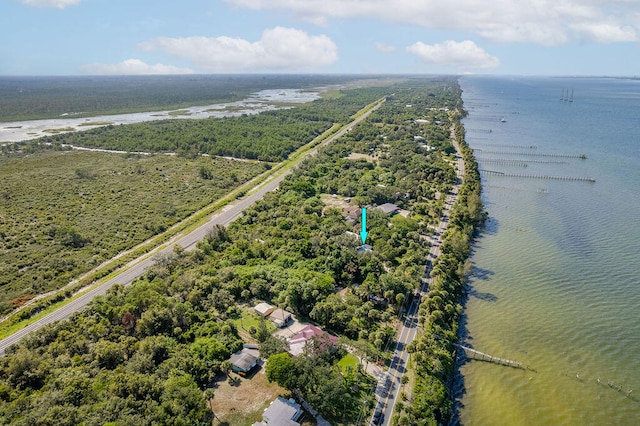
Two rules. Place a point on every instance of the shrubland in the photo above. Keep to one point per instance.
(63, 213)
(143, 354)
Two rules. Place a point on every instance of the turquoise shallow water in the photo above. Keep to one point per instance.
(556, 281)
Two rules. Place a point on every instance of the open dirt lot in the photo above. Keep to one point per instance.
(243, 402)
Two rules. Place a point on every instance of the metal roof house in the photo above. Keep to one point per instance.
(364, 248)
(298, 342)
(244, 360)
(263, 309)
(281, 412)
(389, 208)
(280, 317)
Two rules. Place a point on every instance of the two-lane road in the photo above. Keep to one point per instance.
(137, 267)
(140, 265)
(388, 388)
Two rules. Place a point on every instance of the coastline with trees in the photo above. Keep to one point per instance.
(145, 353)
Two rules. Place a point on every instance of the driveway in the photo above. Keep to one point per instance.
(293, 328)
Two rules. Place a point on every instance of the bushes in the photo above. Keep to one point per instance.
(290, 249)
(57, 226)
(433, 351)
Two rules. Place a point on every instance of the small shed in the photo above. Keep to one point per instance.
(244, 360)
(280, 317)
(263, 309)
(364, 248)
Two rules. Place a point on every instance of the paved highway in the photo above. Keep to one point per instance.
(388, 387)
(136, 268)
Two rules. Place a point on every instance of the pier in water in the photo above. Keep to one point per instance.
(555, 281)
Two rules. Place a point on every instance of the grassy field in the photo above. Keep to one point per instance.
(63, 213)
(248, 319)
(243, 402)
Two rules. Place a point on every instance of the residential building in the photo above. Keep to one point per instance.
(298, 341)
(244, 361)
(389, 208)
(263, 309)
(281, 412)
(280, 317)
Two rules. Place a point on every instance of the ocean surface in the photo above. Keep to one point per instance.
(556, 278)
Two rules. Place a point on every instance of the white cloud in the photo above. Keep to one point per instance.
(384, 48)
(278, 49)
(133, 67)
(57, 4)
(465, 55)
(602, 32)
(545, 22)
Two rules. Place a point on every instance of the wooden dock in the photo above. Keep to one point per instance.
(515, 163)
(532, 154)
(502, 145)
(493, 159)
(517, 175)
(481, 356)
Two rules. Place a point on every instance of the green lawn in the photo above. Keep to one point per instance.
(349, 360)
(248, 319)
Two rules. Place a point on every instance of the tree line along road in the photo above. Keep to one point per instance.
(387, 389)
(224, 217)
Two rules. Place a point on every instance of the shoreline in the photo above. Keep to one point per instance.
(264, 100)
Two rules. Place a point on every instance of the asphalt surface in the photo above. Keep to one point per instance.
(189, 241)
(227, 215)
(389, 385)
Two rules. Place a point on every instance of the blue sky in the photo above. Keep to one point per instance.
(530, 37)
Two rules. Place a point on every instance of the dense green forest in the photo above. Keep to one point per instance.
(31, 98)
(144, 354)
(63, 213)
(269, 136)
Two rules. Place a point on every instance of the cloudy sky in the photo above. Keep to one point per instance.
(531, 37)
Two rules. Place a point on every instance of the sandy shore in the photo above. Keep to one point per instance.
(18, 131)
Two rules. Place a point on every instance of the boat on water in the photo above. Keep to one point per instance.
(503, 120)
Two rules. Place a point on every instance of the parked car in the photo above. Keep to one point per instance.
(378, 418)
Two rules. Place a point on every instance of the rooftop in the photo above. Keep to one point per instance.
(280, 317)
(245, 359)
(299, 340)
(389, 208)
(364, 248)
(282, 412)
(263, 309)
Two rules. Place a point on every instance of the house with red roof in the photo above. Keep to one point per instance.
(298, 341)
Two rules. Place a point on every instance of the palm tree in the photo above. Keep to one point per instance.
(208, 396)
(225, 367)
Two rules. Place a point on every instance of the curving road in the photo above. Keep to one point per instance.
(136, 268)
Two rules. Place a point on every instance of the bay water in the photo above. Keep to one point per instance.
(556, 277)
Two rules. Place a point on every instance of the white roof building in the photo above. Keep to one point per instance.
(281, 412)
(264, 309)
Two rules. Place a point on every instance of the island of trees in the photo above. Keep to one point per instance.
(146, 353)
